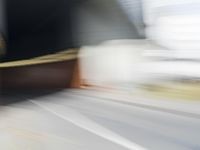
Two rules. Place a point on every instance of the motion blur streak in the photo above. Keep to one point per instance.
(83, 122)
(100, 75)
(90, 119)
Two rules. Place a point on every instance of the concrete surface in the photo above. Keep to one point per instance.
(74, 121)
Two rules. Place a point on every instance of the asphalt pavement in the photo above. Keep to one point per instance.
(67, 120)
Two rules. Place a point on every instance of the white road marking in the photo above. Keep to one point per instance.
(83, 122)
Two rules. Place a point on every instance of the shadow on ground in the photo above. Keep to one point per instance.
(9, 96)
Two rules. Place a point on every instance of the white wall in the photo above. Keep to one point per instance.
(116, 61)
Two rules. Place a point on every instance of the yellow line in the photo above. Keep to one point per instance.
(58, 57)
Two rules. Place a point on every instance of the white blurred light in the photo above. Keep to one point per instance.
(175, 25)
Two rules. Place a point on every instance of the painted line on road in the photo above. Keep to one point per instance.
(85, 123)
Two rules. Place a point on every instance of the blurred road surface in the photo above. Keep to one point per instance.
(74, 121)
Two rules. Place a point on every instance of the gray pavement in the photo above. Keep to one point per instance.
(69, 120)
